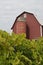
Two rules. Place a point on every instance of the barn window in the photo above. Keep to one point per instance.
(18, 18)
(25, 15)
(21, 19)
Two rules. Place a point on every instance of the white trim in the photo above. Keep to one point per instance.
(41, 31)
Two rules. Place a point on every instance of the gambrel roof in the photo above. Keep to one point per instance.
(22, 14)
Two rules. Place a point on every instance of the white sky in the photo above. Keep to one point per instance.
(10, 9)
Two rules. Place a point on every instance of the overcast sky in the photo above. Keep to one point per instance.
(10, 9)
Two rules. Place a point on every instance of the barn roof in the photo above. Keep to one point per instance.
(22, 14)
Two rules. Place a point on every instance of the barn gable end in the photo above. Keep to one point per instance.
(30, 23)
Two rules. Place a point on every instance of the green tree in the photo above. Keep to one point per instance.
(15, 49)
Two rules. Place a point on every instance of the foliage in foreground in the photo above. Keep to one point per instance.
(17, 50)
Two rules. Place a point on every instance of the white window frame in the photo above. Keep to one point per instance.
(25, 15)
(41, 31)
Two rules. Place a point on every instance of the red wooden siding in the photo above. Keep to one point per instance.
(20, 27)
(30, 26)
(33, 27)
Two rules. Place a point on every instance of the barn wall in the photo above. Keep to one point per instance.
(33, 27)
(14, 29)
(20, 27)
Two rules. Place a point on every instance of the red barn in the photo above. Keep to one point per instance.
(28, 24)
